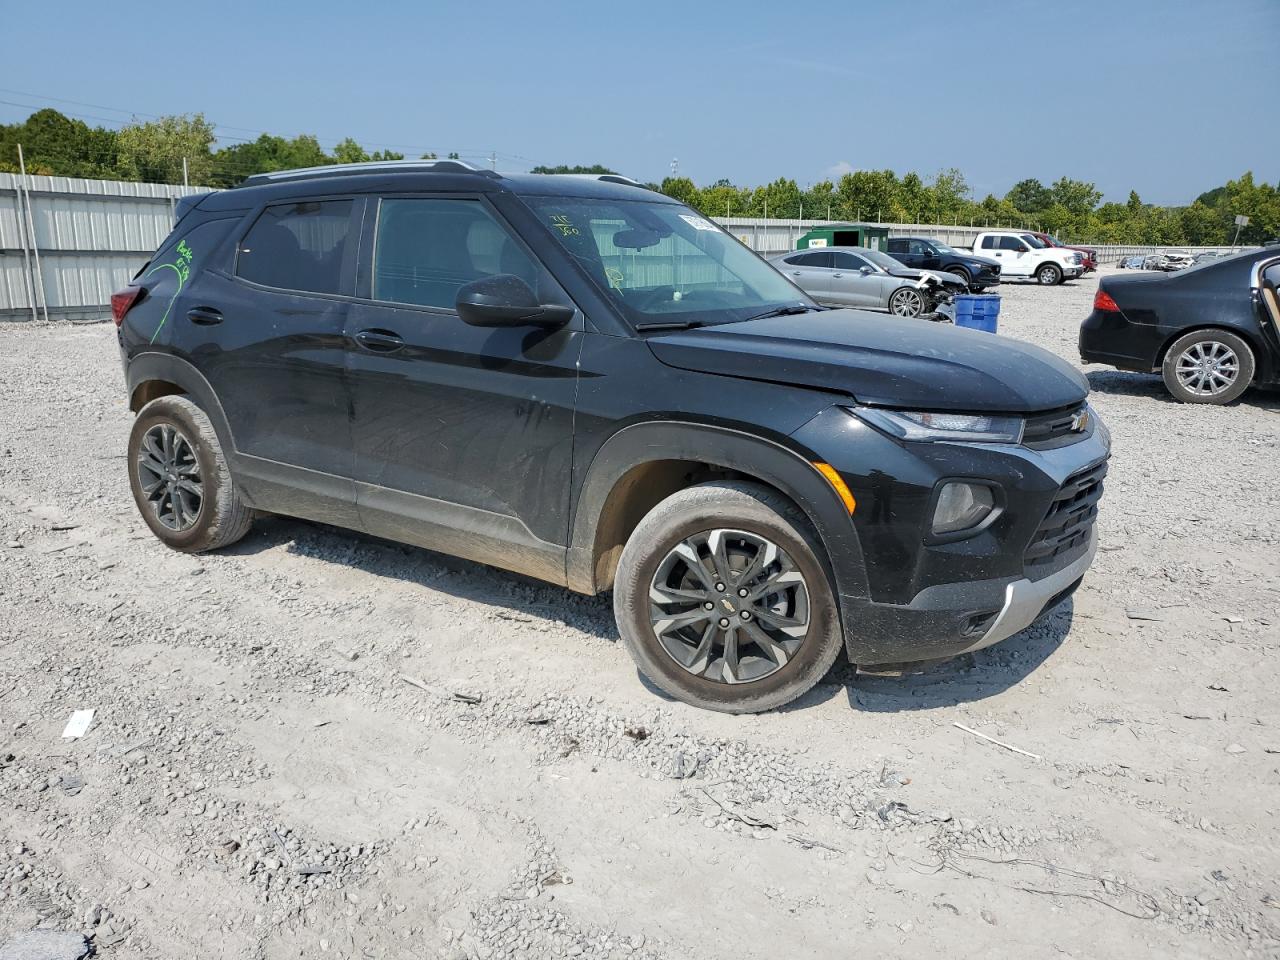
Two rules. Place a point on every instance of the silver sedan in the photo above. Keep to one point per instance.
(868, 279)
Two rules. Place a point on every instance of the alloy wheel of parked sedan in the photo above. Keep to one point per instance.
(1208, 368)
(169, 477)
(729, 606)
(906, 302)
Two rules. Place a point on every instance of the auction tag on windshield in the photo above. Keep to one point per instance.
(698, 223)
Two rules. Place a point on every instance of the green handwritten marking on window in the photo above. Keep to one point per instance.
(562, 223)
(614, 276)
(182, 267)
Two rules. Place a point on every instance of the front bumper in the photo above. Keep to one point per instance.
(929, 598)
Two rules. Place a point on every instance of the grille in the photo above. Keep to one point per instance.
(1044, 431)
(1069, 522)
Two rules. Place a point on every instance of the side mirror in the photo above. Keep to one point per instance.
(504, 300)
(865, 271)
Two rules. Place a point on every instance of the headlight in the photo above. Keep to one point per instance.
(962, 505)
(910, 425)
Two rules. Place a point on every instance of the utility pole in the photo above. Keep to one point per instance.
(185, 181)
(675, 167)
(493, 160)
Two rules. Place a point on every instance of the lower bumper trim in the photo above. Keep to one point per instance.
(1025, 600)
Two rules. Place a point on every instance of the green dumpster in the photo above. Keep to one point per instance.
(870, 235)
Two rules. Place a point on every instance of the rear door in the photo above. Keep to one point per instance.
(811, 272)
(463, 435)
(267, 333)
(1267, 302)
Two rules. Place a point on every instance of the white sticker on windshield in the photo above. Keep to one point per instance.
(698, 223)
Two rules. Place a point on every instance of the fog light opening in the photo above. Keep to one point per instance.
(962, 505)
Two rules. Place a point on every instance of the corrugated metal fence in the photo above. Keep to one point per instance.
(89, 236)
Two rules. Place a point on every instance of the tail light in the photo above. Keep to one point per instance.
(122, 302)
(1104, 301)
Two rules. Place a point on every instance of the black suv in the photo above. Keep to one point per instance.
(926, 254)
(589, 383)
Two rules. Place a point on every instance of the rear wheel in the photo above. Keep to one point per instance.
(180, 479)
(1048, 275)
(723, 602)
(906, 302)
(1208, 366)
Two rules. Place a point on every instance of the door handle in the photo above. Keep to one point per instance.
(380, 341)
(795, 273)
(837, 275)
(205, 316)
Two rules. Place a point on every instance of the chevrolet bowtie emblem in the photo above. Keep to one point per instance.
(1080, 422)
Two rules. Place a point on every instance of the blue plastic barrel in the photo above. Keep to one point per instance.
(978, 311)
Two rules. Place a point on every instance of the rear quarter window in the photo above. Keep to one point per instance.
(298, 246)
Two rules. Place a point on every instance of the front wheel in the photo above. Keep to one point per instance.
(1048, 275)
(1208, 366)
(963, 274)
(906, 302)
(723, 602)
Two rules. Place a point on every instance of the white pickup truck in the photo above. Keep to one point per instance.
(1025, 255)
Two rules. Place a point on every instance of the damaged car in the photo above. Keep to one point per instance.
(870, 280)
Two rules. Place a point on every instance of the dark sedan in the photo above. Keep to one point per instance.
(1210, 330)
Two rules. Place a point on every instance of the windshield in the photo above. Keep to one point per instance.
(662, 262)
(881, 260)
(1053, 242)
(942, 247)
(1036, 242)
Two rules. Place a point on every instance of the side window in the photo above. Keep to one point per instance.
(849, 261)
(297, 246)
(426, 249)
(919, 247)
(989, 243)
(1011, 243)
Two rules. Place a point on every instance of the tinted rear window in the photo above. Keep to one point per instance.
(297, 246)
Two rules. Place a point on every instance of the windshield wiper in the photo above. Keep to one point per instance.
(669, 325)
(783, 312)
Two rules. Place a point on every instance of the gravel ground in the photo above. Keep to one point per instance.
(316, 743)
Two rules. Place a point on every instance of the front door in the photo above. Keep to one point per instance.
(268, 334)
(463, 435)
(1014, 257)
(854, 282)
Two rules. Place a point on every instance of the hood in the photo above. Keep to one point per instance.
(977, 258)
(880, 360)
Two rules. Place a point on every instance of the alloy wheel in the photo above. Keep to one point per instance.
(729, 606)
(169, 477)
(1208, 368)
(907, 303)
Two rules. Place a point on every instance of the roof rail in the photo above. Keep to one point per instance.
(604, 177)
(371, 166)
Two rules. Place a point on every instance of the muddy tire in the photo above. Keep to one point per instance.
(180, 479)
(723, 598)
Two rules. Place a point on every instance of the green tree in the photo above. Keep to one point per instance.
(155, 150)
(1077, 196)
(56, 145)
(868, 195)
(682, 189)
(565, 168)
(1029, 196)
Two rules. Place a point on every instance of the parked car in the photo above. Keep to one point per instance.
(1209, 331)
(1088, 254)
(1132, 263)
(921, 253)
(869, 279)
(592, 384)
(1021, 254)
(1172, 260)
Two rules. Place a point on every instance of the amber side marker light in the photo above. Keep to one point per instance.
(837, 484)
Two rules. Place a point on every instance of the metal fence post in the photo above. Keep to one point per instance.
(35, 247)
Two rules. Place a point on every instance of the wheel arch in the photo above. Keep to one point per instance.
(150, 375)
(644, 463)
(1261, 359)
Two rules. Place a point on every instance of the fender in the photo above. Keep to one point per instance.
(766, 460)
(152, 365)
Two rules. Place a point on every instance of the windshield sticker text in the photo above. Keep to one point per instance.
(562, 223)
(698, 223)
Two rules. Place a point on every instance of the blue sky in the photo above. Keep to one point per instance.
(1169, 98)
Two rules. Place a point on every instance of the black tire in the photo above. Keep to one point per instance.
(734, 506)
(1048, 275)
(1181, 360)
(219, 517)
(963, 274)
(907, 302)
